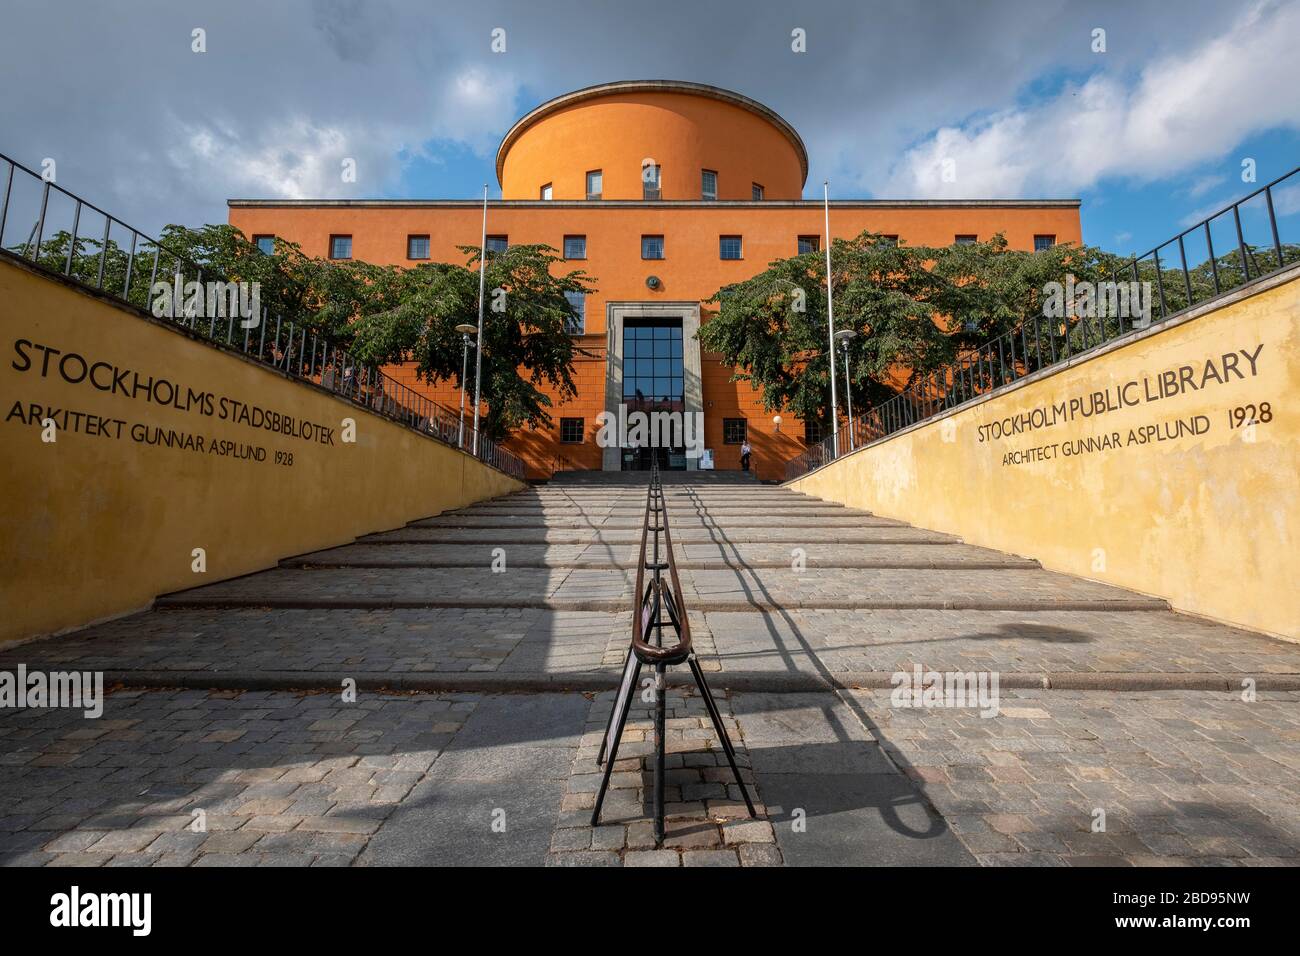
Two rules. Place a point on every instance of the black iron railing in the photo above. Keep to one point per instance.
(105, 254)
(658, 605)
(1042, 341)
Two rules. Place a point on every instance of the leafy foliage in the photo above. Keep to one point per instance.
(915, 309)
(525, 346)
(382, 314)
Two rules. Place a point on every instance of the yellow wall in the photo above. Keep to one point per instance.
(94, 525)
(1209, 521)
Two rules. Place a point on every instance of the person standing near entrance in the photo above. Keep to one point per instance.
(745, 452)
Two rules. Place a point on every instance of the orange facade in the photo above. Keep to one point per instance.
(686, 130)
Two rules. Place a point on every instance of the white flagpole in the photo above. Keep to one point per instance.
(478, 344)
(830, 320)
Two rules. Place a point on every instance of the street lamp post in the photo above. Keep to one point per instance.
(464, 329)
(845, 336)
(478, 344)
(830, 319)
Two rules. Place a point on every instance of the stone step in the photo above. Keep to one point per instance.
(341, 641)
(640, 488)
(793, 507)
(688, 556)
(1083, 643)
(679, 491)
(703, 590)
(639, 500)
(676, 519)
(616, 478)
(775, 650)
(866, 535)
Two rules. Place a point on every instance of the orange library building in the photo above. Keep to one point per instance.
(663, 192)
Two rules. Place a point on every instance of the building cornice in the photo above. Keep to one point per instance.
(655, 204)
(651, 86)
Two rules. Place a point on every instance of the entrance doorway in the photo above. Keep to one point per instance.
(653, 382)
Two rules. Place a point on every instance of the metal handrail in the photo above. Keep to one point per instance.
(1040, 342)
(656, 508)
(319, 363)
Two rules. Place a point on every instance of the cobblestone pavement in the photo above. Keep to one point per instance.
(211, 778)
(789, 596)
(706, 820)
(1187, 777)
(180, 778)
(287, 779)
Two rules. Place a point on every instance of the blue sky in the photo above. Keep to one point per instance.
(1150, 132)
(1129, 217)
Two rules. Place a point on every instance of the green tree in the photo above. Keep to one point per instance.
(915, 309)
(382, 314)
(526, 339)
(772, 327)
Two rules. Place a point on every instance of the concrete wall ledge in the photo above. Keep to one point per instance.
(148, 489)
(1166, 490)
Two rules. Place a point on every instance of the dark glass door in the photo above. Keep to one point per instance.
(652, 382)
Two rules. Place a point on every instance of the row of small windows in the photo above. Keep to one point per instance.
(575, 247)
(651, 185)
(735, 431)
(1041, 242)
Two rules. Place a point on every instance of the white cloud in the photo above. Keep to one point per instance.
(1183, 110)
(476, 107)
(284, 93)
(156, 133)
(1205, 183)
(297, 161)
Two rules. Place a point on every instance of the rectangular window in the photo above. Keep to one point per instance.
(965, 240)
(729, 247)
(709, 185)
(340, 247)
(417, 247)
(595, 180)
(733, 431)
(652, 364)
(809, 244)
(576, 324)
(757, 192)
(571, 430)
(575, 247)
(650, 178)
(265, 244)
(498, 243)
(652, 247)
(1043, 243)
(813, 433)
(889, 240)
(546, 192)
